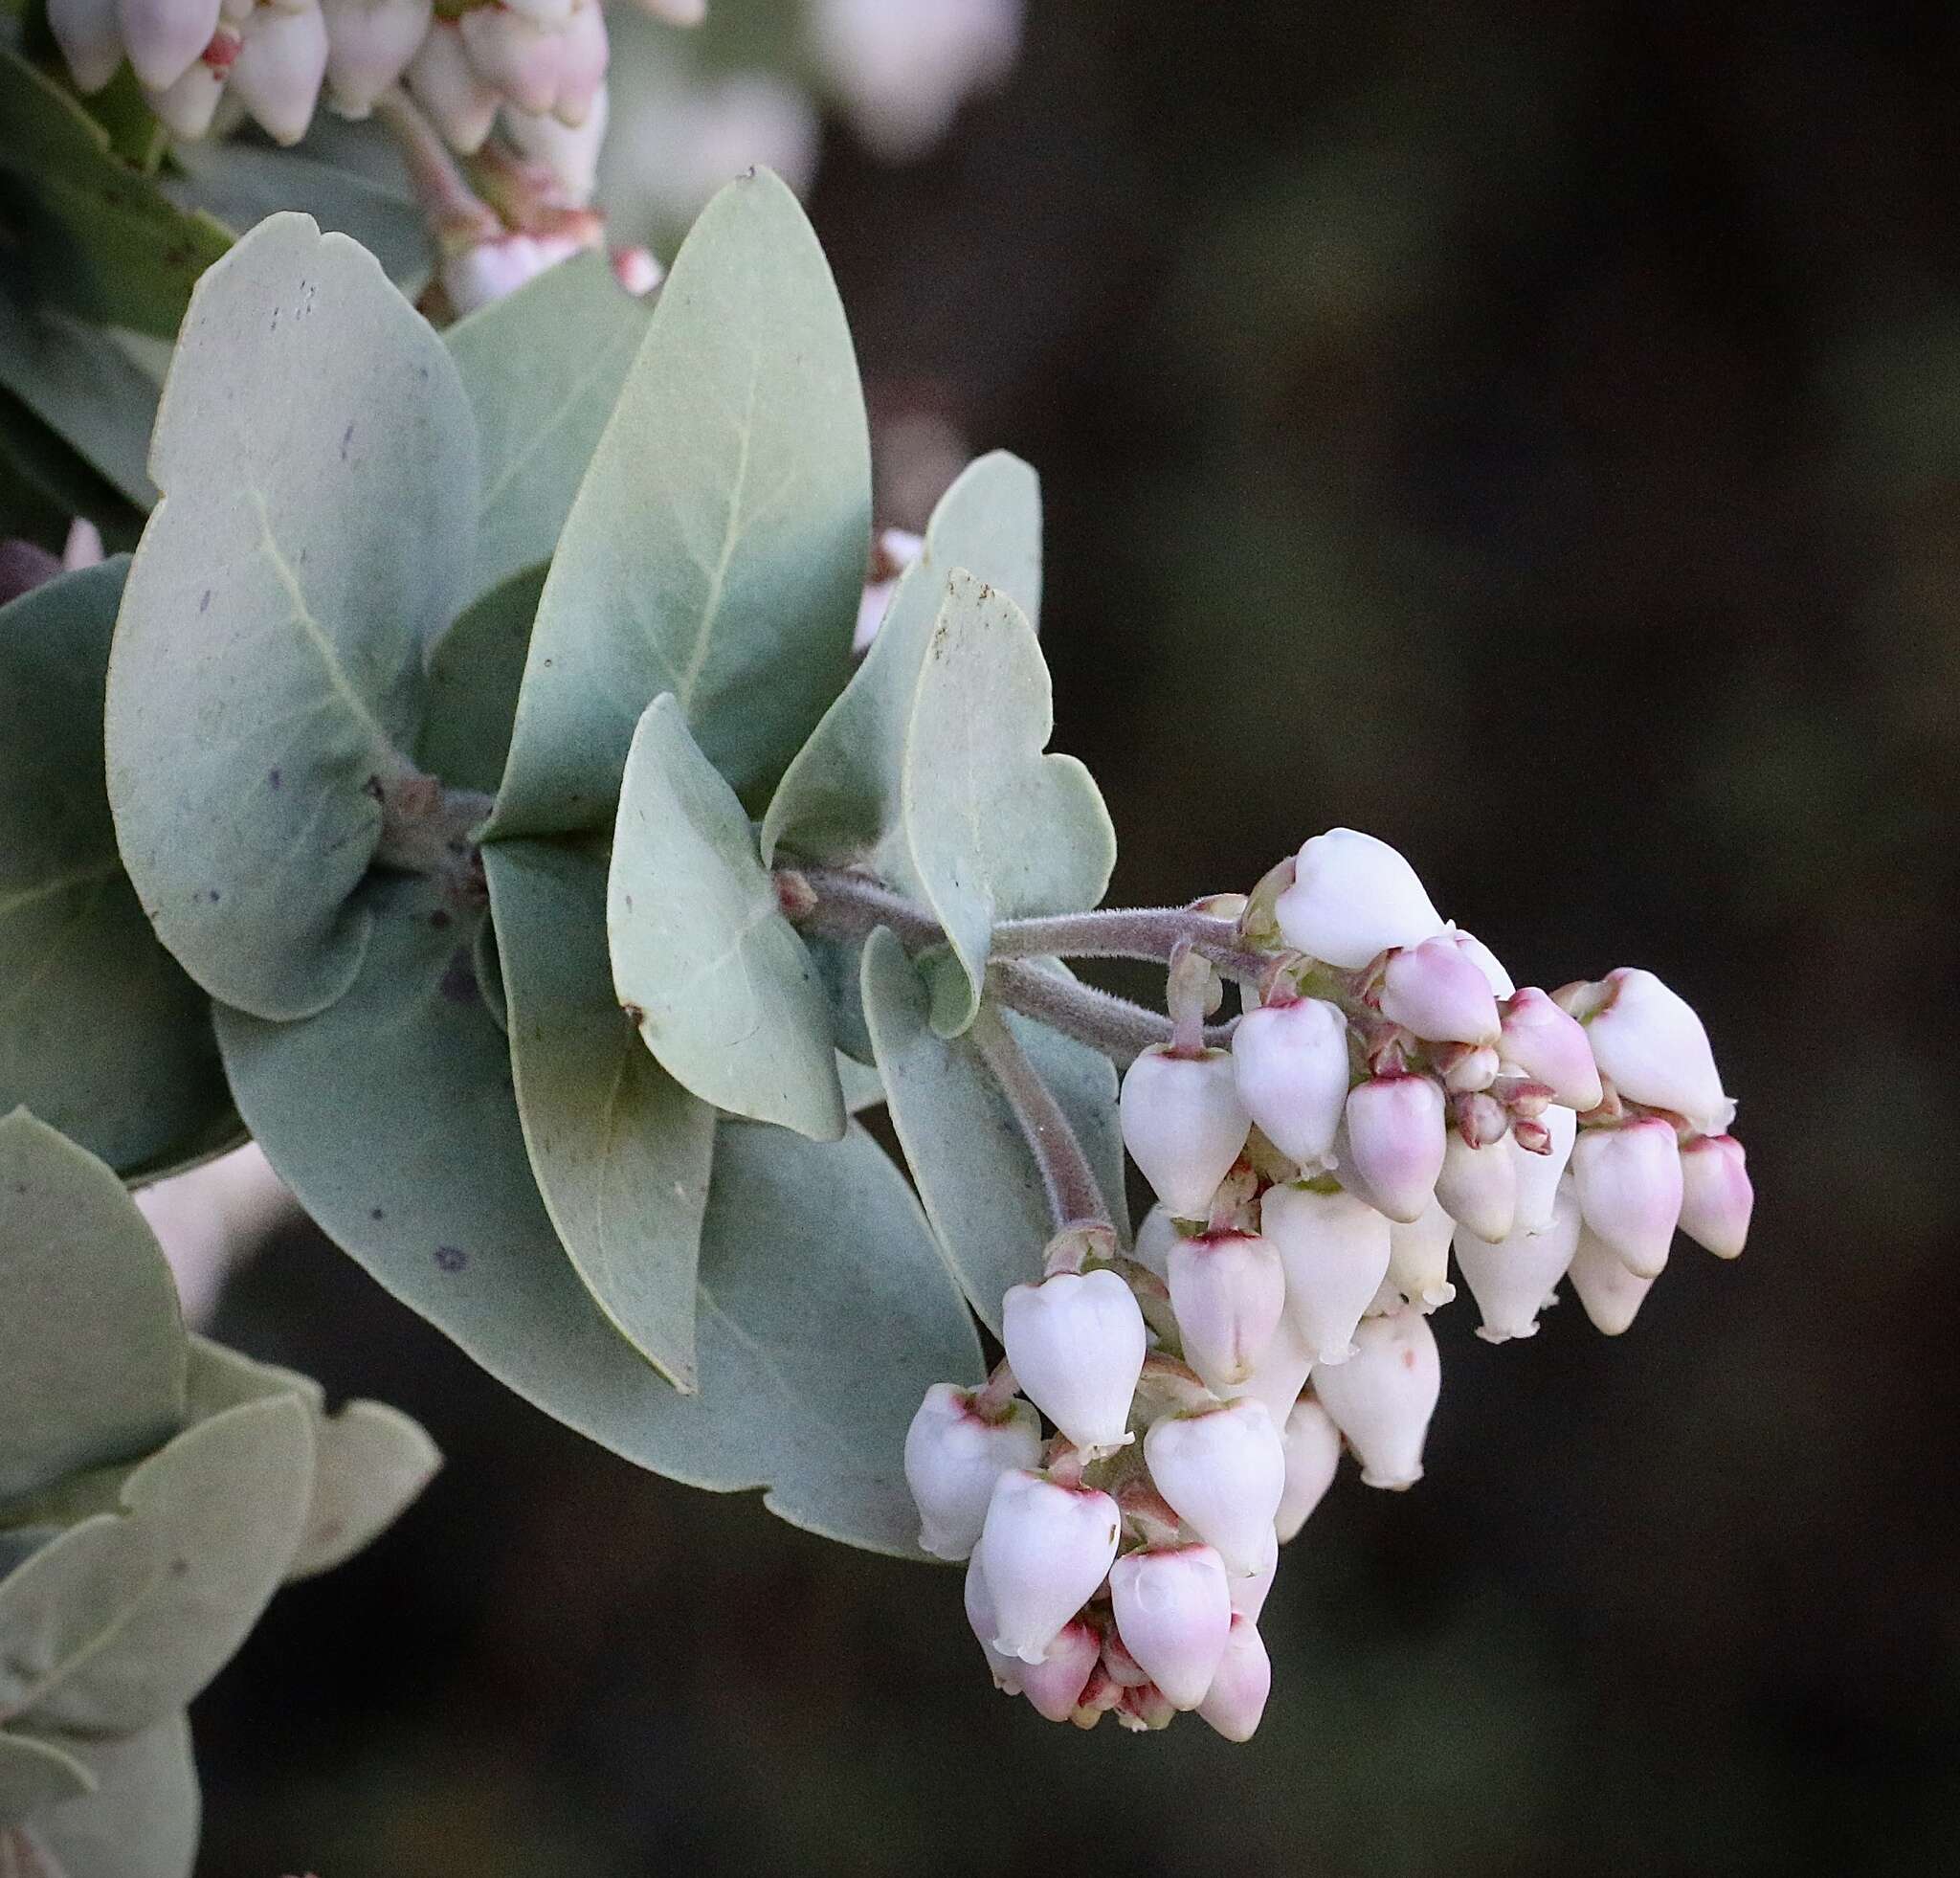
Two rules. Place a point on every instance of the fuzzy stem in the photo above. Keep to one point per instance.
(1146, 932)
(1074, 1197)
(454, 210)
(1120, 1029)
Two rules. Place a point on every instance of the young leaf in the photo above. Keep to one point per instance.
(838, 800)
(543, 367)
(318, 462)
(620, 1149)
(982, 1189)
(475, 669)
(100, 1032)
(721, 986)
(91, 1343)
(717, 545)
(141, 1820)
(34, 1776)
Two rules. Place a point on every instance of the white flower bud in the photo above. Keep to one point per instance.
(1184, 1125)
(488, 270)
(1228, 1290)
(1383, 1397)
(1396, 1139)
(1433, 990)
(368, 46)
(1223, 1472)
(1478, 1187)
(1485, 960)
(1539, 1174)
(1610, 1292)
(1007, 1670)
(1075, 1344)
(543, 13)
(186, 108)
(1353, 897)
(91, 40)
(1289, 1062)
(636, 268)
(277, 71)
(582, 68)
(1155, 1238)
(1551, 1046)
(1650, 1042)
(1473, 1072)
(1055, 1685)
(1335, 1247)
(1238, 1696)
(1313, 1457)
(1174, 1611)
(515, 57)
(1419, 1257)
(953, 1457)
(1629, 1189)
(1716, 1194)
(446, 85)
(1279, 1376)
(166, 38)
(1249, 1594)
(573, 157)
(1044, 1550)
(1512, 1279)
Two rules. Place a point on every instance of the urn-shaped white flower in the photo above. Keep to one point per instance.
(1419, 1257)
(1183, 1124)
(1383, 1397)
(1043, 1551)
(368, 46)
(1249, 1594)
(1395, 1136)
(1279, 1376)
(1313, 1457)
(1629, 1189)
(166, 38)
(1174, 1611)
(278, 73)
(1478, 1187)
(1055, 1685)
(1716, 1194)
(954, 1456)
(1610, 1294)
(1223, 1472)
(1549, 1045)
(1351, 898)
(1075, 1344)
(90, 37)
(1238, 1696)
(1004, 1669)
(1538, 1174)
(1648, 1040)
(1436, 992)
(1289, 1062)
(1335, 1247)
(1155, 1238)
(1228, 1290)
(1500, 982)
(447, 85)
(1512, 1279)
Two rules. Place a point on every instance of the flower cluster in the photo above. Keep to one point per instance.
(1388, 1096)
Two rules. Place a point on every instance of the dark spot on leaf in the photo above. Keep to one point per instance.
(272, 779)
(451, 1258)
(459, 978)
(347, 438)
(180, 1567)
(377, 1212)
(212, 894)
(204, 605)
(439, 919)
(635, 1013)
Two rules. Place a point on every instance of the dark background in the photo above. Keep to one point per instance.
(1531, 435)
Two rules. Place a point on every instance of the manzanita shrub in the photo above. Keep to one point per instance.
(488, 773)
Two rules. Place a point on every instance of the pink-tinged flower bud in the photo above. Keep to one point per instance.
(1044, 1550)
(1395, 1138)
(1512, 1277)
(637, 270)
(83, 546)
(166, 38)
(1075, 1344)
(1174, 1611)
(1433, 990)
(1313, 1457)
(1648, 1040)
(1629, 1189)
(446, 85)
(1238, 1696)
(1120, 1666)
(571, 154)
(1289, 1062)
(1353, 897)
(1155, 1238)
(1716, 1196)
(1223, 1472)
(1383, 1397)
(368, 46)
(1228, 1290)
(1610, 1292)
(1473, 1071)
(543, 13)
(1184, 1125)
(1335, 1247)
(1539, 1174)
(488, 270)
(1483, 958)
(1551, 1046)
(515, 57)
(953, 1457)
(1055, 1685)
(1007, 1670)
(582, 68)
(1478, 1187)
(277, 71)
(1144, 1709)
(185, 107)
(1249, 1594)
(1279, 1376)
(1419, 1257)
(91, 40)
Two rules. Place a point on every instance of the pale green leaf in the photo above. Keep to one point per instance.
(34, 1776)
(318, 462)
(475, 669)
(713, 973)
(92, 1345)
(141, 1821)
(59, 1605)
(102, 1034)
(80, 384)
(620, 1149)
(717, 545)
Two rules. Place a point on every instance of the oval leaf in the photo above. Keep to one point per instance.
(318, 462)
(61, 1603)
(475, 669)
(720, 985)
(141, 1820)
(717, 545)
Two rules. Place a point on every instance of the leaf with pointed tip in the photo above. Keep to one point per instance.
(141, 1820)
(75, 378)
(91, 1341)
(717, 545)
(982, 1189)
(620, 1149)
(427, 1183)
(838, 799)
(724, 993)
(58, 1607)
(475, 669)
(318, 462)
(543, 367)
(102, 1034)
